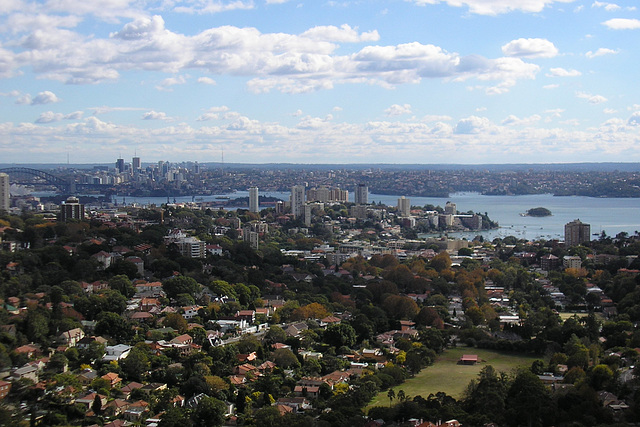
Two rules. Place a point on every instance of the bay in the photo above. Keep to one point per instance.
(611, 215)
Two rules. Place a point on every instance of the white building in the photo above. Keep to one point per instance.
(254, 205)
(404, 206)
(116, 352)
(361, 194)
(297, 200)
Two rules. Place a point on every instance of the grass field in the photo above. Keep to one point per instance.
(566, 315)
(447, 376)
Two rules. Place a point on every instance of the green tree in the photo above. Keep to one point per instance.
(340, 335)
(528, 402)
(180, 285)
(114, 326)
(209, 412)
(122, 284)
(284, 358)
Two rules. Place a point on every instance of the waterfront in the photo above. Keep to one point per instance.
(612, 215)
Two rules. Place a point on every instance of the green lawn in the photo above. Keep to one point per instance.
(447, 376)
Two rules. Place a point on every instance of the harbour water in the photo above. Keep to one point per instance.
(611, 215)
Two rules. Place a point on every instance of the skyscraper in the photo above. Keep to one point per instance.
(576, 232)
(120, 165)
(254, 204)
(5, 196)
(297, 200)
(136, 164)
(362, 194)
(404, 206)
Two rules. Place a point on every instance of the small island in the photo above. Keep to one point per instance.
(537, 212)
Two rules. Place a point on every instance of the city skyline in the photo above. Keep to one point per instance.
(415, 81)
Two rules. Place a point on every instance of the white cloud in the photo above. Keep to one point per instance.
(601, 52)
(46, 97)
(554, 86)
(275, 61)
(276, 1)
(634, 120)
(297, 113)
(592, 99)
(512, 120)
(472, 125)
(206, 81)
(343, 34)
(622, 24)
(398, 110)
(609, 111)
(202, 7)
(50, 116)
(609, 7)
(495, 7)
(561, 72)
(530, 48)
(171, 81)
(154, 115)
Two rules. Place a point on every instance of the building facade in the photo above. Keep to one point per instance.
(404, 206)
(576, 232)
(254, 204)
(5, 195)
(297, 200)
(362, 194)
(71, 209)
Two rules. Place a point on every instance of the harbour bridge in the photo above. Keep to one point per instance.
(35, 177)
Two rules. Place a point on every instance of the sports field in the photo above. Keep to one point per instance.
(447, 376)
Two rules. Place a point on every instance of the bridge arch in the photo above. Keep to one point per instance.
(29, 176)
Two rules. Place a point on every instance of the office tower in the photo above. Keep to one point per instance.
(71, 209)
(120, 165)
(362, 194)
(297, 200)
(576, 232)
(404, 206)
(5, 195)
(137, 165)
(196, 168)
(254, 204)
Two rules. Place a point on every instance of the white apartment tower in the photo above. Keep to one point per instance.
(5, 197)
(254, 205)
(297, 200)
(404, 206)
(362, 194)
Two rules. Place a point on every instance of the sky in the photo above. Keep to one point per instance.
(375, 81)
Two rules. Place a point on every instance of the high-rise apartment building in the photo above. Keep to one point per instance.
(450, 208)
(297, 201)
(362, 194)
(404, 206)
(254, 205)
(71, 209)
(5, 195)
(576, 232)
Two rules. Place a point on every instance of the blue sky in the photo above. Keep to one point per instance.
(399, 81)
